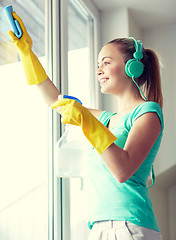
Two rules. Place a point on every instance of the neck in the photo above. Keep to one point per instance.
(128, 101)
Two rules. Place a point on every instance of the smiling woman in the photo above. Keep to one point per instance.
(129, 159)
(111, 68)
(122, 157)
(156, 27)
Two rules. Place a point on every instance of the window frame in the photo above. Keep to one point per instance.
(56, 52)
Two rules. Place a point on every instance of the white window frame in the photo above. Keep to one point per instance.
(56, 51)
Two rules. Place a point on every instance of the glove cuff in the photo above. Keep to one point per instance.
(98, 134)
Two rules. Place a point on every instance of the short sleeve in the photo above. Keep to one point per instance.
(105, 117)
(148, 107)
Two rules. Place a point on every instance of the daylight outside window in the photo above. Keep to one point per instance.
(24, 135)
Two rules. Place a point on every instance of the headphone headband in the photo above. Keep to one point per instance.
(138, 47)
(138, 44)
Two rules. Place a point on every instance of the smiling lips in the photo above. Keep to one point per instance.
(103, 80)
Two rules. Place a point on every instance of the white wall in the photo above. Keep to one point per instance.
(114, 24)
(134, 29)
(160, 202)
(162, 39)
(172, 212)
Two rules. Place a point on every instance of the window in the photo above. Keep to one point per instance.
(80, 30)
(24, 134)
(26, 124)
(74, 30)
(80, 84)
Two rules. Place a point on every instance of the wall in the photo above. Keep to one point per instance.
(160, 202)
(162, 39)
(172, 212)
(134, 29)
(114, 24)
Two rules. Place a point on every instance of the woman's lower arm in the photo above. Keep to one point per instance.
(48, 91)
(117, 161)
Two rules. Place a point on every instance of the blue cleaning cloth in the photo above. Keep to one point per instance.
(7, 22)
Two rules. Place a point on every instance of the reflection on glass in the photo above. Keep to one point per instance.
(24, 134)
(79, 53)
(33, 15)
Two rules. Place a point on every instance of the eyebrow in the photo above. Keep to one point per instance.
(104, 58)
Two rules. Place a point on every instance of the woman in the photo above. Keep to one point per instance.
(125, 143)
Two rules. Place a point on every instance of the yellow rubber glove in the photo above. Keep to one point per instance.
(33, 69)
(74, 113)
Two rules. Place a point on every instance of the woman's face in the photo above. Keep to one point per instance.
(111, 70)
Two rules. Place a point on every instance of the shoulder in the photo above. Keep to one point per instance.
(151, 110)
(102, 116)
(96, 113)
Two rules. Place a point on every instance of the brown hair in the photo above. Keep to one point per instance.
(150, 79)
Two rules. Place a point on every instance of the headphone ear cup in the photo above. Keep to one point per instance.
(134, 68)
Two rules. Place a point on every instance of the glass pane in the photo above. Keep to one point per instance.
(79, 83)
(24, 134)
(79, 59)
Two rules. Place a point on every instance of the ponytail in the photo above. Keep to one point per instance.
(150, 78)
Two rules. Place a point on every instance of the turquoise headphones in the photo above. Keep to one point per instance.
(134, 67)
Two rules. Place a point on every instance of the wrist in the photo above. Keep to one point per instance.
(25, 51)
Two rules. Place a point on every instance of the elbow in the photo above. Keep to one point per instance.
(118, 166)
(122, 179)
(125, 171)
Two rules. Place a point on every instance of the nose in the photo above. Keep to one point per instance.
(99, 71)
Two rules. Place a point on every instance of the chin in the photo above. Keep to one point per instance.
(106, 91)
(103, 91)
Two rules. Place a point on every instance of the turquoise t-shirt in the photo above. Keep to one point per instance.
(128, 201)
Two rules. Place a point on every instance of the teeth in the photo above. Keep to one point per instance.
(103, 80)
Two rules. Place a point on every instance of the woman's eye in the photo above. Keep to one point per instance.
(105, 63)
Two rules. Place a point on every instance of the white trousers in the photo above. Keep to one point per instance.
(122, 230)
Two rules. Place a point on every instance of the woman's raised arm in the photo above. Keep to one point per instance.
(48, 91)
